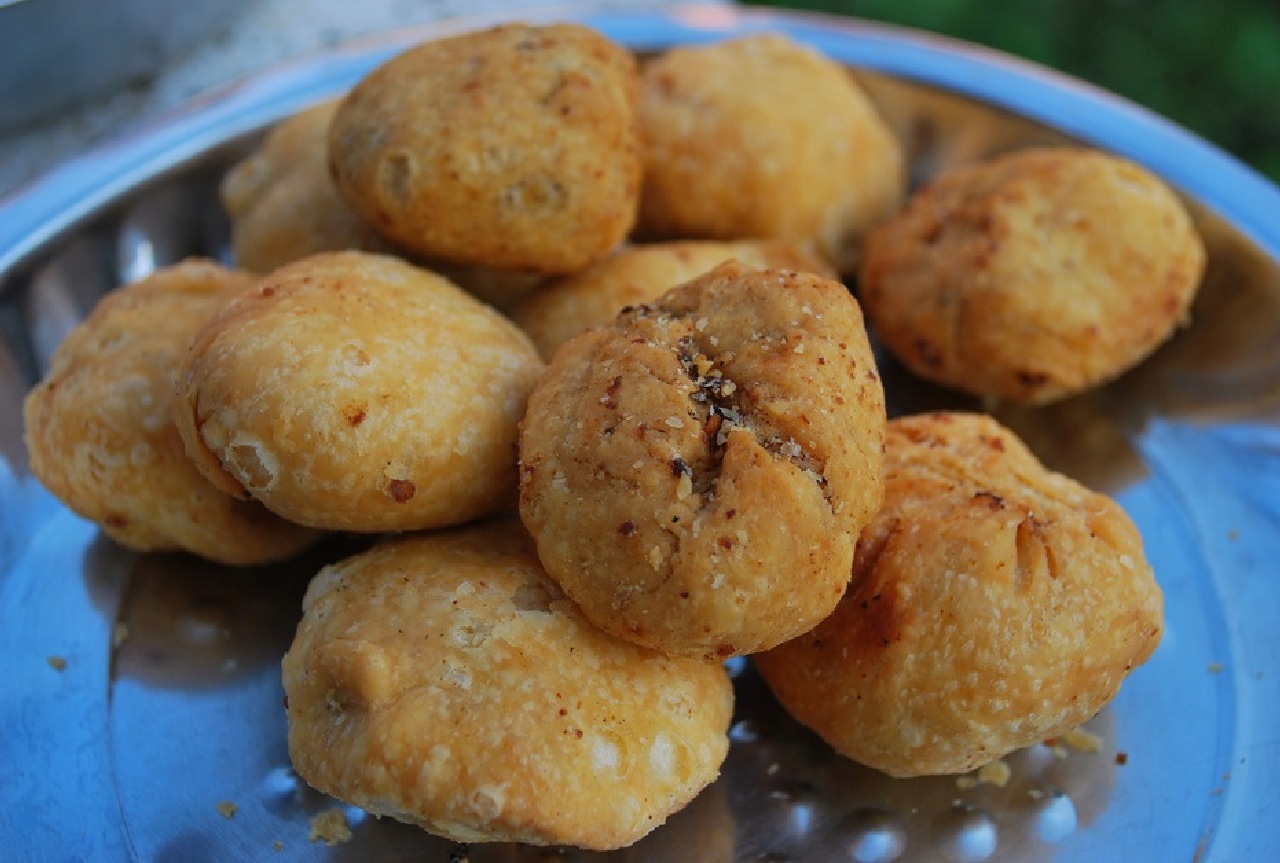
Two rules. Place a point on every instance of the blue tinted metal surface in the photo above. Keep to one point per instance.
(169, 701)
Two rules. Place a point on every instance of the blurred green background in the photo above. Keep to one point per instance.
(1213, 67)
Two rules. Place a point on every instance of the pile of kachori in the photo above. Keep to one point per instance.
(668, 448)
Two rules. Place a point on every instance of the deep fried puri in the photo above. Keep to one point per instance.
(515, 147)
(100, 432)
(762, 137)
(443, 680)
(696, 474)
(356, 392)
(283, 204)
(641, 274)
(1034, 276)
(994, 604)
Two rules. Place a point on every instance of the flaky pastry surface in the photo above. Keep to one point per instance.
(356, 392)
(514, 147)
(696, 474)
(283, 204)
(442, 679)
(762, 137)
(994, 604)
(100, 431)
(1033, 276)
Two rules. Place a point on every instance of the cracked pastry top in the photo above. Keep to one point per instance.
(356, 392)
(443, 680)
(762, 137)
(1033, 276)
(516, 147)
(696, 474)
(100, 432)
(994, 604)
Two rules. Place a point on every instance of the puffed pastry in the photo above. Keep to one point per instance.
(516, 147)
(696, 474)
(994, 604)
(355, 392)
(443, 680)
(1034, 276)
(762, 137)
(100, 430)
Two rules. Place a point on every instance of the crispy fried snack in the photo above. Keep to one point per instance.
(1034, 276)
(445, 681)
(283, 204)
(994, 604)
(516, 147)
(641, 274)
(762, 137)
(355, 392)
(696, 474)
(100, 431)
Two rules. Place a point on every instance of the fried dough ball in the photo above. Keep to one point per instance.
(515, 147)
(696, 474)
(641, 274)
(994, 604)
(762, 137)
(1034, 276)
(283, 204)
(355, 392)
(444, 680)
(100, 431)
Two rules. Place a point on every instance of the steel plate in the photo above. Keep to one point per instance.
(169, 702)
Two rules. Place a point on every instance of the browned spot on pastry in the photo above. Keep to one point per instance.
(116, 521)
(1032, 560)
(627, 528)
(396, 175)
(356, 414)
(401, 490)
(993, 501)
(1031, 379)
(610, 399)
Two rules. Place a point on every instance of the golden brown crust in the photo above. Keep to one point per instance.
(1033, 276)
(762, 137)
(356, 392)
(696, 473)
(100, 433)
(283, 204)
(640, 274)
(993, 605)
(444, 680)
(515, 147)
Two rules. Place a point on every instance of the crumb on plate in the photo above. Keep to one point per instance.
(1082, 740)
(330, 826)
